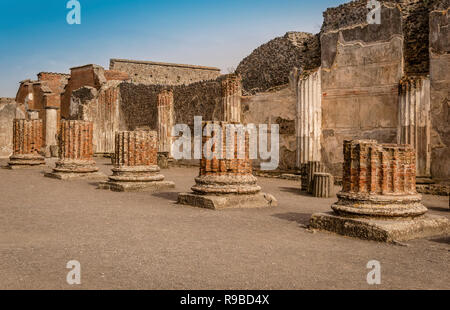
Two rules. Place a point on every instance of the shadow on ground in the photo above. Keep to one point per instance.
(300, 218)
(173, 196)
(294, 190)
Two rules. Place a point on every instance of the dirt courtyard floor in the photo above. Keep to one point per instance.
(146, 241)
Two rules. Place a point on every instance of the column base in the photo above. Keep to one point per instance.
(25, 162)
(424, 180)
(230, 201)
(381, 230)
(137, 186)
(68, 176)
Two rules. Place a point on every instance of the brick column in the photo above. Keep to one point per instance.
(135, 163)
(75, 152)
(379, 180)
(231, 98)
(226, 182)
(27, 140)
(379, 200)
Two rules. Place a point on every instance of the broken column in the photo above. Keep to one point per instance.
(225, 179)
(76, 152)
(27, 140)
(135, 163)
(231, 98)
(307, 172)
(313, 167)
(323, 185)
(308, 122)
(415, 121)
(165, 123)
(379, 200)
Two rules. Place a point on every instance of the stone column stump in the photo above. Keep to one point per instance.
(226, 181)
(135, 163)
(313, 167)
(27, 139)
(323, 185)
(76, 152)
(379, 200)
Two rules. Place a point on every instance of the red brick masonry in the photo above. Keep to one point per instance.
(27, 140)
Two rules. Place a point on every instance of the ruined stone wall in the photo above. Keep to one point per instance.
(55, 81)
(101, 107)
(113, 75)
(139, 103)
(198, 99)
(269, 65)
(276, 107)
(155, 73)
(361, 67)
(89, 75)
(9, 110)
(23, 92)
(440, 90)
(414, 21)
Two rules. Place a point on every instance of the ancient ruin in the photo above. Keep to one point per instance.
(379, 200)
(353, 80)
(135, 164)
(323, 185)
(75, 152)
(27, 144)
(222, 182)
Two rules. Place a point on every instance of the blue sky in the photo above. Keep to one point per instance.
(35, 37)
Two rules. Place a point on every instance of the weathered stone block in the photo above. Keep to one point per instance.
(382, 230)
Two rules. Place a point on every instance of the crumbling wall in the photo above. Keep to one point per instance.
(277, 107)
(361, 67)
(89, 75)
(198, 99)
(155, 73)
(101, 107)
(269, 65)
(9, 110)
(440, 90)
(55, 81)
(139, 103)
